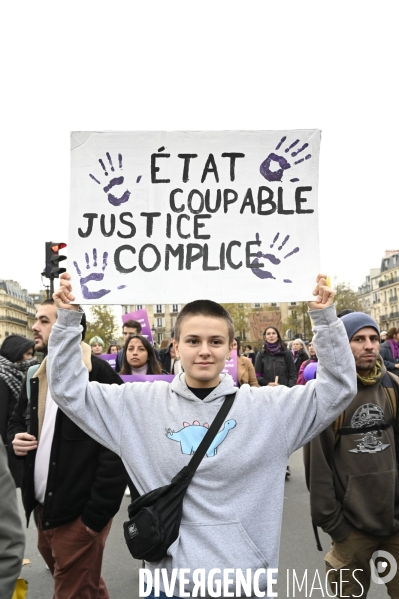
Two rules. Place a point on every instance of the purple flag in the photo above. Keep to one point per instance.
(110, 358)
(142, 317)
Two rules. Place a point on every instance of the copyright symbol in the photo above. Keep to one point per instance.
(383, 567)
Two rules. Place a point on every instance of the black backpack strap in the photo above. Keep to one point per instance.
(211, 434)
(316, 534)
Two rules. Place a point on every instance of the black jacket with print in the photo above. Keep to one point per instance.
(353, 478)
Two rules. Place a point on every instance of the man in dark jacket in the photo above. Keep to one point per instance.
(351, 472)
(76, 482)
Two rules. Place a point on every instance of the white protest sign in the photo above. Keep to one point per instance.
(176, 216)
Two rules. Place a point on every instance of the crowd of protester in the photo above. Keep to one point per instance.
(26, 419)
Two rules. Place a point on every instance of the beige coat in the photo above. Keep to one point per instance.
(246, 372)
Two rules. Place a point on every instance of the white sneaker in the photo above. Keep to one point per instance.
(127, 492)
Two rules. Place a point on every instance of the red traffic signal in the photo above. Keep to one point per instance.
(52, 269)
(58, 246)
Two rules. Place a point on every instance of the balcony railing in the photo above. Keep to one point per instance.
(393, 298)
(13, 305)
(390, 281)
(15, 320)
(384, 317)
(394, 315)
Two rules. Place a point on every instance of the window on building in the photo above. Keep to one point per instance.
(159, 322)
(257, 305)
(175, 307)
(139, 306)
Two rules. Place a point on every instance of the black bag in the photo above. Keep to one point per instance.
(154, 518)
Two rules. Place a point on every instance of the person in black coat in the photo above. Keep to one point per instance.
(274, 364)
(76, 483)
(16, 356)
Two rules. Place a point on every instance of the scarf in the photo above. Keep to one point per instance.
(394, 345)
(373, 377)
(13, 374)
(272, 348)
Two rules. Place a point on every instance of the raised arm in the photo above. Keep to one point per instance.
(309, 409)
(96, 408)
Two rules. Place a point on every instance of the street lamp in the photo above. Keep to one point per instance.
(153, 330)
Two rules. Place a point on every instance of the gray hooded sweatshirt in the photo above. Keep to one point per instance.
(233, 507)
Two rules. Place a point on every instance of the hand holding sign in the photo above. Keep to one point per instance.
(325, 295)
(64, 296)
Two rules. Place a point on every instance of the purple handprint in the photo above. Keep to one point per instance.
(265, 274)
(95, 276)
(274, 159)
(112, 199)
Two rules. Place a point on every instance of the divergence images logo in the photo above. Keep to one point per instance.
(382, 561)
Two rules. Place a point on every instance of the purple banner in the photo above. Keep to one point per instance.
(142, 317)
(231, 367)
(110, 358)
(144, 378)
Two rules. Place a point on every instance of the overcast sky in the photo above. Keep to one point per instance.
(165, 65)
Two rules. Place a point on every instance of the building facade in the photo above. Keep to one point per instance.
(162, 318)
(17, 311)
(380, 292)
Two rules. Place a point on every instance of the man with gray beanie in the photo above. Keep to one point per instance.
(351, 473)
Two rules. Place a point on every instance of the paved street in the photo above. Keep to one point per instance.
(298, 551)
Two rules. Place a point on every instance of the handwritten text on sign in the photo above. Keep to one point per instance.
(173, 216)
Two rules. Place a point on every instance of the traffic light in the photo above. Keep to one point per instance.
(52, 269)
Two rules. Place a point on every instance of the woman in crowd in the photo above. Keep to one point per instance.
(139, 357)
(249, 353)
(245, 368)
(389, 351)
(299, 353)
(113, 348)
(274, 364)
(16, 356)
(97, 345)
(313, 358)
